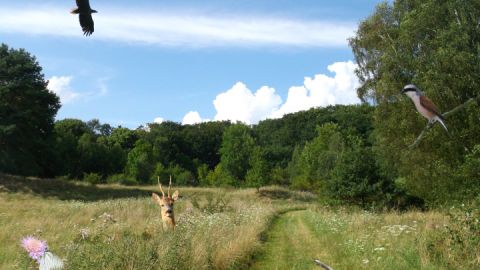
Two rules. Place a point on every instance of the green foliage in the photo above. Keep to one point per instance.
(340, 166)
(92, 178)
(121, 179)
(318, 158)
(434, 45)
(139, 162)
(355, 177)
(279, 176)
(237, 147)
(124, 137)
(80, 150)
(257, 175)
(204, 141)
(220, 177)
(279, 137)
(469, 173)
(181, 176)
(27, 112)
(459, 239)
(202, 173)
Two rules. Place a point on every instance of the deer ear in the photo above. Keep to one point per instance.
(156, 198)
(175, 195)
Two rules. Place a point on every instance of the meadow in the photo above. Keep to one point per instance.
(118, 227)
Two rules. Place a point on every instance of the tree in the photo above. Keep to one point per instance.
(140, 162)
(124, 137)
(257, 175)
(237, 147)
(319, 158)
(434, 45)
(67, 135)
(355, 177)
(204, 141)
(221, 177)
(27, 111)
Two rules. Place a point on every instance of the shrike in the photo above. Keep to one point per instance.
(424, 105)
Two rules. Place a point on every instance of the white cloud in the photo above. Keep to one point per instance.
(172, 28)
(61, 86)
(192, 118)
(323, 90)
(158, 120)
(240, 104)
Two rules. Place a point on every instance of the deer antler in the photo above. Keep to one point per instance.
(160, 186)
(169, 186)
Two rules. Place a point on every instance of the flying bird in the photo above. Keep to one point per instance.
(85, 15)
(424, 105)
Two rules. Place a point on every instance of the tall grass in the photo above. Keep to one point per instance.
(116, 227)
(217, 229)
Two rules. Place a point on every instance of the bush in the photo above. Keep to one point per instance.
(179, 175)
(202, 172)
(220, 177)
(121, 179)
(279, 176)
(160, 171)
(460, 239)
(92, 178)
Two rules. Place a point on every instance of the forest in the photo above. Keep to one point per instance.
(356, 154)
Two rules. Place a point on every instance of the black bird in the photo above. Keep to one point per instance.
(85, 15)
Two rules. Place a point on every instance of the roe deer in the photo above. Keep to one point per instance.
(166, 204)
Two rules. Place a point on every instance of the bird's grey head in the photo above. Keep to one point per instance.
(410, 88)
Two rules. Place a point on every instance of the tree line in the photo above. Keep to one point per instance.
(356, 154)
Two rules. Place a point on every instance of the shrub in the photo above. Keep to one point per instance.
(220, 177)
(459, 239)
(279, 176)
(92, 178)
(121, 179)
(202, 172)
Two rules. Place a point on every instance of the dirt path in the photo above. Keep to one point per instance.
(291, 244)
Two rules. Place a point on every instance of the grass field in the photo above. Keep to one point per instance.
(349, 241)
(115, 227)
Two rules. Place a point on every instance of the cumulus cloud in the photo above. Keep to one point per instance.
(192, 118)
(158, 120)
(61, 86)
(323, 90)
(174, 28)
(241, 104)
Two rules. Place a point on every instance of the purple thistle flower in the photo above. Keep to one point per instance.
(36, 248)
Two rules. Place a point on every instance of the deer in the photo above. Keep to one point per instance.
(166, 205)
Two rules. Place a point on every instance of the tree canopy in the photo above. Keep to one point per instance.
(435, 45)
(27, 111)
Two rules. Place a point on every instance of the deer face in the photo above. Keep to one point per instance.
(166, 204)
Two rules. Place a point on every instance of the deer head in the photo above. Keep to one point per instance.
(166, 205)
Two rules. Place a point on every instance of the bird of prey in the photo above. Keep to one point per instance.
(85, 15)
(424, 105)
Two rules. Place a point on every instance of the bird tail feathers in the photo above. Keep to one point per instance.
(440, 120)
(75, 11)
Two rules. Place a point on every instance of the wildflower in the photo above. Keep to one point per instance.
(36, 248)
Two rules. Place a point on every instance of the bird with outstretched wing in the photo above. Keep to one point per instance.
(84, 12)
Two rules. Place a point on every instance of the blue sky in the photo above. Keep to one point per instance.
(190, 61)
